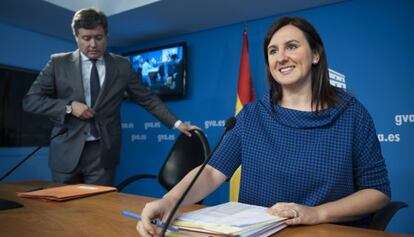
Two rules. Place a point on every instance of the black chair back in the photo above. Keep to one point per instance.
(382, 217)
(186, 154)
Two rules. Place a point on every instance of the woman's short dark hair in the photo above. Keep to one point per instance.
(89, 18)
(322, 92)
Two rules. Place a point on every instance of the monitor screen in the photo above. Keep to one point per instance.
(18, 128)
(162, 69)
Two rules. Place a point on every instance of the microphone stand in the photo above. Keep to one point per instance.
(229, 125)
(7, 204)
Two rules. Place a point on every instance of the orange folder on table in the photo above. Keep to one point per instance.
(67, 192)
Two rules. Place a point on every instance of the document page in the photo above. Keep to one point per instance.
(230, 214)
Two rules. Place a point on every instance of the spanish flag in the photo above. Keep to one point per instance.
(245, 94)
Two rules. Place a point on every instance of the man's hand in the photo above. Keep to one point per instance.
(82, 111)
(186, 129)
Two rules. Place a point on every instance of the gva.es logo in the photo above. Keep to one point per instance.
(337, 79)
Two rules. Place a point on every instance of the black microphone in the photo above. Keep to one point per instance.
(6, 204)
(227, 127)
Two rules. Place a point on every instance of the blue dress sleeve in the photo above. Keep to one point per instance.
(227, 157)
(369, 165)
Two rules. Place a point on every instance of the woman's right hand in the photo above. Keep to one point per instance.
(160, 209)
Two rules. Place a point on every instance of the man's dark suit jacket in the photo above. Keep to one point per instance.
(61, 82)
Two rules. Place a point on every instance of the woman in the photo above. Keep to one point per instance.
(308, 151)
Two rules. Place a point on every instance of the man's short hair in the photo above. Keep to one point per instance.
(89, 18)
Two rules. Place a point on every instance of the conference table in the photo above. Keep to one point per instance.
(100, 215)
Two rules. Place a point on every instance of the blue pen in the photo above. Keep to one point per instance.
(158, 223)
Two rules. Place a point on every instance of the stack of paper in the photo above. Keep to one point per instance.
(67, 192)
(228, 219)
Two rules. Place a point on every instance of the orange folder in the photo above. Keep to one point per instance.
(67, 192)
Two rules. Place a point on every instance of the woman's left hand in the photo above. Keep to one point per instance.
(297, 214)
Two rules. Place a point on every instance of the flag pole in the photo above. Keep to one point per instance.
(245, 95)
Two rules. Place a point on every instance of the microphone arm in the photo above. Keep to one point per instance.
(62, 131)
(228, 126)
(20, 163)
(7, 204)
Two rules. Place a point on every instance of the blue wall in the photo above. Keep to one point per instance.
(368, 41)
(26, 49)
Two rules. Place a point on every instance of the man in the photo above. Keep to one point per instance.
(83, 91)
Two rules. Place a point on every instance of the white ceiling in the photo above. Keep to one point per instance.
(106, 6)
(139, 21)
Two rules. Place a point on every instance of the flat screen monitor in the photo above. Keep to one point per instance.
(162, 69)
(18, 128)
